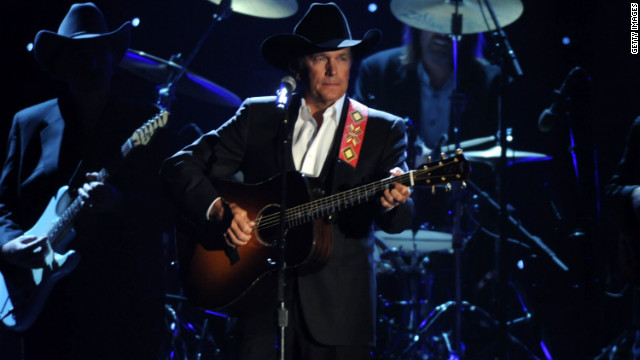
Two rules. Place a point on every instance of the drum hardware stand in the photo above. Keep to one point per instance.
(176, 325)
(440, 310)
(519, 226)
(511, 69)
(167, 92)
(414, 270)
(458, 102)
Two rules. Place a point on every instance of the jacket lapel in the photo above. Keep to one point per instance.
(51, 139)
(292, 117)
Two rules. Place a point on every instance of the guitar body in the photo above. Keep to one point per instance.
(23, 292)
(209, 277)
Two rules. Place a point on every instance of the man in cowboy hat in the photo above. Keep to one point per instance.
(111, 305)
(331, 308)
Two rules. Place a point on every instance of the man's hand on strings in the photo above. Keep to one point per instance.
(397, 194)
(98, 196)
(241, 228)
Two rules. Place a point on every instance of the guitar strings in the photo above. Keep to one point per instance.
(315, 209)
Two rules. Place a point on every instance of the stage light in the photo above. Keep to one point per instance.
(30, 47)
(566, 40)
(373, 7)
(135, 21)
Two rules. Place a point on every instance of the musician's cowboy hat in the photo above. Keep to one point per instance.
(83, 26)
(323, 28)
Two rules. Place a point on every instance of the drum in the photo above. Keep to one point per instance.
(411, 276)
(424, 241)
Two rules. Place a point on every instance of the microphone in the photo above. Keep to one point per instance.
(287, 85)
(549, 117)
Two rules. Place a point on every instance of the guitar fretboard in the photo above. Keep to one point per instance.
(64, 223)
(431, 174)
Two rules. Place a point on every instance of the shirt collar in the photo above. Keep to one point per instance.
(332, 113)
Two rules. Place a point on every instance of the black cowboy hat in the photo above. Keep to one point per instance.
(323, 28)
(84, 25)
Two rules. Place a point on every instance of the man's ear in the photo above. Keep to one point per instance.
(296, 68)
(293, 69)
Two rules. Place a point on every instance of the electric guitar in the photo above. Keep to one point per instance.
(23, 292)
(216, 277)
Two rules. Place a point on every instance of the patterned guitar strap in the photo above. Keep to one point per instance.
(353, 133)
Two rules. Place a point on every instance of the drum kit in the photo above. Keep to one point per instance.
(418, 314)
(421, 310)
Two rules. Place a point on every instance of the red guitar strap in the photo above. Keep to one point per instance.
(353, 132)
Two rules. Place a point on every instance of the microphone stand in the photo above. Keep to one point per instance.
(510, 64)
(283, 312)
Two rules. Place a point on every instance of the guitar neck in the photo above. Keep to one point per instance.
(143, 134)
(63, 224)
(453, 169)
(140, 137)
(343, 200)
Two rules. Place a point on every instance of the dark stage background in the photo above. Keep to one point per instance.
(575, 312)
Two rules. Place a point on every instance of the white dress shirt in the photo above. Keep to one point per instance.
(311, 145)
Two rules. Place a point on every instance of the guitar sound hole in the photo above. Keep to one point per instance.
(268, 225)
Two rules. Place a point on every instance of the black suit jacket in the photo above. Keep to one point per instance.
(117, 288)
(338, 301)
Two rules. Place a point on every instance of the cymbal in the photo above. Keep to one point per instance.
(271, 9)
(436, 15)
(493, 154)
(424, 152)
(160, 71)
(425, 240)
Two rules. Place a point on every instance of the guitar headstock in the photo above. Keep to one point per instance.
(143, 134)
(444, 171)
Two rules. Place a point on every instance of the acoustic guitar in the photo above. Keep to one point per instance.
(216, 277)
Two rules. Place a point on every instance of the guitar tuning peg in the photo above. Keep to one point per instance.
(463, 185)
(458, 151)
(443, 156)
(429, 159)
(433, 189)
(448, 187)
